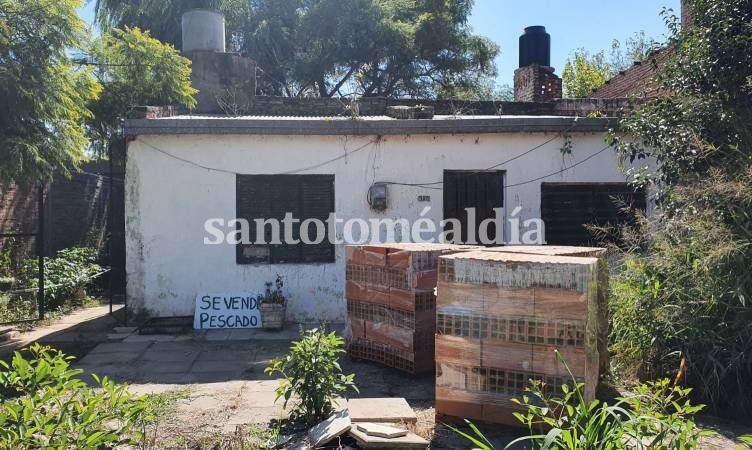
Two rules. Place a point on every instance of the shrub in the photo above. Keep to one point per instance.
(312, 375)
(682, 294)
(68, 270)
(44, 404)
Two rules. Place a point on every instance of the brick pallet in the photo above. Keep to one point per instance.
(391, 303)
(499, 317)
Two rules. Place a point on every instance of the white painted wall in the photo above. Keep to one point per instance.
(168, 201)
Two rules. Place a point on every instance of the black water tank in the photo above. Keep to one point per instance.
(535, 47)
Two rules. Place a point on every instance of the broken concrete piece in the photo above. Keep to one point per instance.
(381, 430)
(381, 410)
(336, 425)
(125, 330)
(411, 441)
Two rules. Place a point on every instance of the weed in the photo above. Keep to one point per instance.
(312, 374)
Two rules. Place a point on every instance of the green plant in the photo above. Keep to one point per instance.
(571, 421)
(70, 269)
(44, 404)
(686, 293)
(273, 296)
(658, 416)
(312, 375)
(664, 413)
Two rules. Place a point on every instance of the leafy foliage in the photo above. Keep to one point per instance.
(393, 48)
(658, 416)
(585, 71)
(135, 69)
(67, 271)
(313, 377)
(44, 404)
(43, 94)
(273, 293)
(685, 287)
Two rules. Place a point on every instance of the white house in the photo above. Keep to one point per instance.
(184, 170)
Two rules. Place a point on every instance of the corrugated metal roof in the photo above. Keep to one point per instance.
(370, 125)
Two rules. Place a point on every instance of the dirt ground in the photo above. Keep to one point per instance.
(217, 396)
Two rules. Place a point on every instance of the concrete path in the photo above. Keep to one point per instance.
(221, 376)
(75, 333)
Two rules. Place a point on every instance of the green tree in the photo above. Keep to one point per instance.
(635, 48)
(43, 93)
(685, 290)
(418, 48)
(134, 69)
(584, 72)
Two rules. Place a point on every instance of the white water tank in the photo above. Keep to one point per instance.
(203, 30)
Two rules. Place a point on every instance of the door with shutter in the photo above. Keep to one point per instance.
(481, 190)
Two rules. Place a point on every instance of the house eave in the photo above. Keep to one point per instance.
(339, 126)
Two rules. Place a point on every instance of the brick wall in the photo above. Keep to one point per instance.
(77, 211)
(536, 84)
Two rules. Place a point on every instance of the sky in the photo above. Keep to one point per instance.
(572, 24)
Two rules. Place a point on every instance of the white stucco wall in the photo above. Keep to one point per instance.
(168, 202)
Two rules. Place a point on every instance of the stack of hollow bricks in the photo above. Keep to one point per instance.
(391, 303)
(500, 315)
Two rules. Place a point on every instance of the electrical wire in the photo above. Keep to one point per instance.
(514, 158)
(526, 181)
(289, 172)
(431, 186)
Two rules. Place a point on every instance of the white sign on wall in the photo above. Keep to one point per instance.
(220, 311)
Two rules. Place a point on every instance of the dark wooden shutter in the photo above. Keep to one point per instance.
(567, 209)
(482, 190)
(271, 197)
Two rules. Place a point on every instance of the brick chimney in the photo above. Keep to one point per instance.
(535, 80)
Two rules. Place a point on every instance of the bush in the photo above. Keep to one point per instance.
(70, 269)
(44, 404)
(681, 294)
(658, 416)
(312, 374)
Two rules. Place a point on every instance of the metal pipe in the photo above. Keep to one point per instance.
(40, 250)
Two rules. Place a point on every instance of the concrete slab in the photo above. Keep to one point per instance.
(223, 365)
(124, 329)
(176, 346)
(152, 355)
(105, 359)
(214, 377)
(117, 336)
(227, 355)
(410, 441)
(336, 425)
(117, 347)
(150, 338)
(161, 367)
(217, 335)
(381, 410)
(381, 430)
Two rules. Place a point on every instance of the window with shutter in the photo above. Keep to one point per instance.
(271, 197)
(569, 210)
